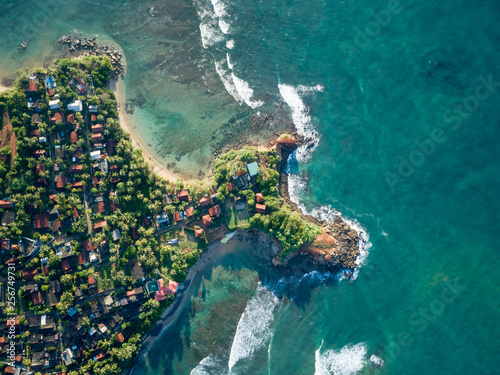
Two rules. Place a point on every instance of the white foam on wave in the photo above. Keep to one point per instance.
(224, 26)
(347, 361)
(296, 187)
(227, 80)
(208, 365)
(229, 64)
(230, 44)
(254, 328)
(210, 35)
(220, 8)
(246, 92)
(301, 116)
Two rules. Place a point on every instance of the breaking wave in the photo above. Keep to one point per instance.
(210, 35)
(347, 361)
(301, 116)
(296, 187)
(254, 328)
(207, 366)
(246, 93)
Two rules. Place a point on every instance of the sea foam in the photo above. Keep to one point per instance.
(210, 35)
(301, 116)
(246, 92)
(254, 328)
(208, 365)
(296, 187)
(347, 361)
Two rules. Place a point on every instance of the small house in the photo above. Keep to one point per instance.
(260, 208)
(183, 195)
(207, 220)
(76, 106)
(215, 211)
(54, 104)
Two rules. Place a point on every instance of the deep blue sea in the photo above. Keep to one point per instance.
(403, 101)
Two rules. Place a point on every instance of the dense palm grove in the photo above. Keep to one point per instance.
(97, 240)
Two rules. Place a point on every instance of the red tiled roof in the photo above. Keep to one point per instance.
(88, 245)
(61, 182)
(171, 288)
(73, 137)
(177, 216)
(70, 119)
(77, 185)
(204, 201)
(56, 117)
(36, 298)
(92, 281)
(5, 204)
(96, 137)
(4, 245)
(113, 206)
(29, 274)
(75, 212)
(65, 265)
(93, 118)
(51, 92)
(101, 207)
(76, 168)
(259, 197)
(97, 128)
(53, 198)
(229, 186)
(207, 220)
(100, 225)
(183, 195)
(38, 153)
(260, 208)
(214, 211)
(41, 221)
(119, 338)
(189, 211)
(32, 86)
(82, 258)
(198, 233)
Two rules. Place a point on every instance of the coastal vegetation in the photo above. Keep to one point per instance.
(100, 242)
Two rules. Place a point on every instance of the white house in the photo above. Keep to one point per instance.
(75, 106)
(93, 108)
(54, 104)
(95, 155)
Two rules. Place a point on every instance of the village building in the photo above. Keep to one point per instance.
(189, 212)
(205, 201)
(215, 211)
(260, 208)
(199, 233)
(207, 220)
(76, 106)
(183, 196)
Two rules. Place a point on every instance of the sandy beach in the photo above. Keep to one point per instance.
(126, 123)
(4, 88)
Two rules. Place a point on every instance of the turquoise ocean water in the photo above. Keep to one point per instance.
(403, 101)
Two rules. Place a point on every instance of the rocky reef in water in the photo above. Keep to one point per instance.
(338, 245)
